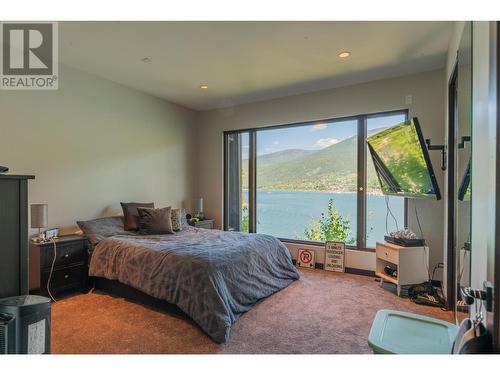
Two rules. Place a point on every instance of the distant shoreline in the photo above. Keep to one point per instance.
(320, 191)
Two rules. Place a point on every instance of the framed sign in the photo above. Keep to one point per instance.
(305, 258)
(334, 256)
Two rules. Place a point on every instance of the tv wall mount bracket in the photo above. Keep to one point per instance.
(465, 138)
(441, 148)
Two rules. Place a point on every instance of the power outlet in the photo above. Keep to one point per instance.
(408, 99)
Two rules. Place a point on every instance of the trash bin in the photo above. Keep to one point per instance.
(29, 333)
(397, 332)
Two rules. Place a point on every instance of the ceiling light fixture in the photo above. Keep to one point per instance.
(344, 54)
(146, 60)
(203, 87)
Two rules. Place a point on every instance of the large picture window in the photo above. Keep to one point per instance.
(310, 182)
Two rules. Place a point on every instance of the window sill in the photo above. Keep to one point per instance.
(322, 244)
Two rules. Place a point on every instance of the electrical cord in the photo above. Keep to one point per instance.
(389, 211)
(462, 268)
(386, 220)
(418, 222)
(436, 291)
(432, 292)
(437, 266)
(433, 288)
(425, 244)
(392, 214)
(52, 270)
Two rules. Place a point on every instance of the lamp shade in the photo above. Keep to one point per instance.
(39, 215)
(199, 205)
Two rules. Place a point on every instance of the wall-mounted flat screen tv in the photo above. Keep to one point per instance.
(402, 162)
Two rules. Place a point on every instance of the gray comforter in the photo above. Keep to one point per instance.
(213, 276)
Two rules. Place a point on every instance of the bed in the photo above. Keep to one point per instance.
(211, 275)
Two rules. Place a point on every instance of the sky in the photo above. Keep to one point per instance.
(313, 137)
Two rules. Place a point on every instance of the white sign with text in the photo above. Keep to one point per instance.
(334, 256)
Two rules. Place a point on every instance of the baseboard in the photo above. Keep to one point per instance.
(359, 271)
(355, 271)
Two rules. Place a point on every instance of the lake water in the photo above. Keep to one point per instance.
(286, 214)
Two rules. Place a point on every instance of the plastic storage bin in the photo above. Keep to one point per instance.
(397, 332)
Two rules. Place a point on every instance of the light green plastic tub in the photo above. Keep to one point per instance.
(397, 332)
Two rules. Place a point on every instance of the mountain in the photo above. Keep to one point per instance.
(284, 156)
(331, 168)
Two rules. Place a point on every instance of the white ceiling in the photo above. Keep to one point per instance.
(249, 61)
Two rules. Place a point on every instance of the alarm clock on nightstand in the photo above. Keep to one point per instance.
(51, 233)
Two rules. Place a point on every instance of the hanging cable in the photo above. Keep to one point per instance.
(389, 211)
(386, 221)
(425, 243)
(52, 270)
(418, 222)
(462, 266)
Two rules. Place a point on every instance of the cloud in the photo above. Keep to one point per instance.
(276, 143)
(317, 127)
(325, 142)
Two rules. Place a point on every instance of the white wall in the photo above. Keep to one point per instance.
(94, 143)
(428, 103)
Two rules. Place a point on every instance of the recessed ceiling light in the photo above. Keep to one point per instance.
(203, 87)
(344, 54)
(146, 60)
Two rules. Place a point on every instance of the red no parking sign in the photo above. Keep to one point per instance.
(305, 258)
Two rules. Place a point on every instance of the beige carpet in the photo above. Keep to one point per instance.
(323, 312)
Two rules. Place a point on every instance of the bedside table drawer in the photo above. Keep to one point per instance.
(69, 253)
(387, 254)
(65, 278)
(204, 224)
(70, 266)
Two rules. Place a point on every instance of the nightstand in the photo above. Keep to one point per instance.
(205, 224)
(70, 267)
(410, 262)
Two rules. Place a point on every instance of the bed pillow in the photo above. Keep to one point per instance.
(176, 219)
(155, 220)
(130, 214)
(98, 229)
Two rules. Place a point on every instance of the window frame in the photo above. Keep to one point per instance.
(361, 173)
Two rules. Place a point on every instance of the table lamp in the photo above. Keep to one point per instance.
(39, 219)
(199, 209)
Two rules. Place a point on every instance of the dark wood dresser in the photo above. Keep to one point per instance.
(13, 235)
(70, 267)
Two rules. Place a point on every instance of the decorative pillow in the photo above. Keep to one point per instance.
(176, 219)
(98, 229)
(130, 214)
(155, 220)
